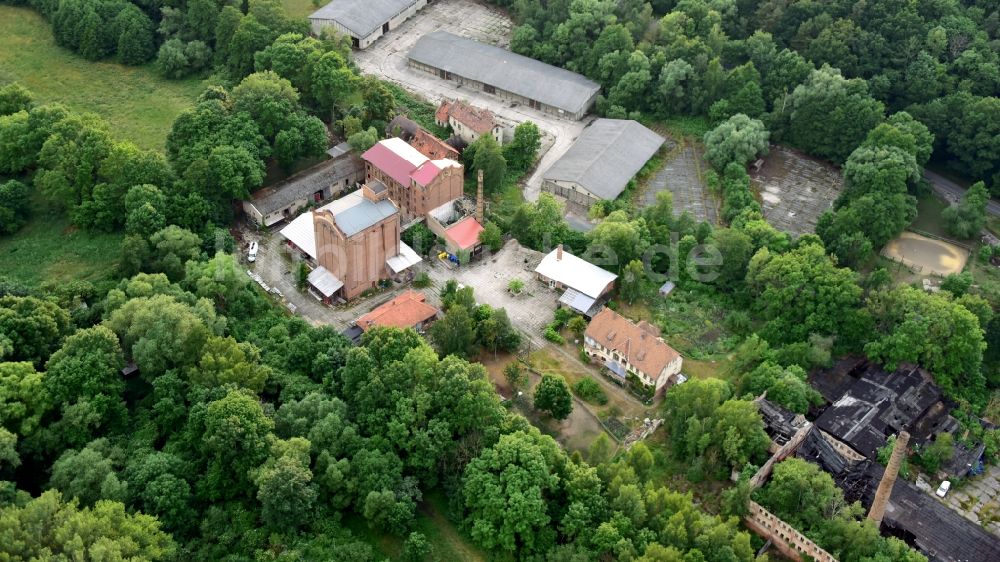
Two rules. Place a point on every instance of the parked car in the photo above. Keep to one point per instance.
(943, 489)
(252, 254)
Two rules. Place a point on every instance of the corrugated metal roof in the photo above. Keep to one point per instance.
(340, 149)
(395, 158)
(606, 156)
(324, 281)
(363, 215)
(305, 183)
(505, 70)
(361, 16)
(574, 272)
(577, 300)
(404, 259)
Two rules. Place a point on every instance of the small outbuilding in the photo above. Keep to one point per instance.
(602, 161)
(585, 286)
(408, 310)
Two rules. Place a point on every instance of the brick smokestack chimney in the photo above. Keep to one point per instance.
(479, 197)
(559, 252)
(884, 490)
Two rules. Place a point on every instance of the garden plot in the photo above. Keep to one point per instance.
(795, 189)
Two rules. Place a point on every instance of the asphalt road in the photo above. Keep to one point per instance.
(952, 191)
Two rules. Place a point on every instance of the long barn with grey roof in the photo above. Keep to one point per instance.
(283, 200)
(507, 75)
(363, 21)
(602, 161)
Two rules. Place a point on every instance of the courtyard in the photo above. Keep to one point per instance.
(489, 276)
(386, 59)
(978, 499)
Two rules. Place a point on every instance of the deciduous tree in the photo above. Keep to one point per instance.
(739, 139)
(552, 395)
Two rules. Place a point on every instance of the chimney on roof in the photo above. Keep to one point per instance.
(479, 197)
(559, 252)
(374, 191)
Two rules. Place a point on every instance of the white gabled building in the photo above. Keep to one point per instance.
(586, 286)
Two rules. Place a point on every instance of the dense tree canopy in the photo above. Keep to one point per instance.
(803, 292)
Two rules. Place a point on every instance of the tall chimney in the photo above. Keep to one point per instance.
(884, 490)
(559, 252)
(479, 198)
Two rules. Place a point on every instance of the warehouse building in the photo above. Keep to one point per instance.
(283, 200)
(363, 21)
(507, 75)
(602, 161)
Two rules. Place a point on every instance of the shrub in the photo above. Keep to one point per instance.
(515, 286)
(515, 375)
(552, 335)
(422, 280)
(591, 391)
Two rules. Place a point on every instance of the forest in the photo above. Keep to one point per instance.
(250, 434)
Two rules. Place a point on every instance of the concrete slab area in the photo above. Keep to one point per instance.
(979, 500)
(795, 189)
(682, 175)
(476, 20)
(529, 311)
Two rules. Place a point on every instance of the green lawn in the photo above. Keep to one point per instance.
(138, 103)
(49, 248)
(301, 8)
(929, 209)
(448, 542)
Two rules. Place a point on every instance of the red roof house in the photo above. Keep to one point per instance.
(408, 310)
(464, 234)
(416, 183)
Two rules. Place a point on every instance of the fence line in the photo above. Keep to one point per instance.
(939, 237)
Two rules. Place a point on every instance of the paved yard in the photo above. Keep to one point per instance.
(276, 267)
(682, 175)
(468, 18)
(979, 500)
(530, 311)
(795, 189)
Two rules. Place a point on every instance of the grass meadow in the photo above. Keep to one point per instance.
(49, 248)
(139, 104)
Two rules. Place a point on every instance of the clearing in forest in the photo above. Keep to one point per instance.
(682, 175)
(139, 104)
(795, 189)
(926, 255)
